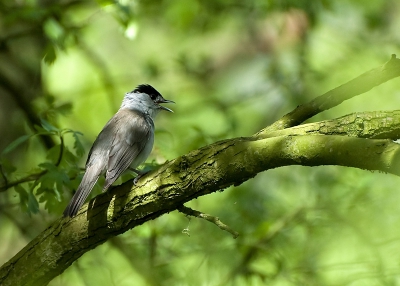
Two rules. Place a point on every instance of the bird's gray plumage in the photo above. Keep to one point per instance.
(125, 141)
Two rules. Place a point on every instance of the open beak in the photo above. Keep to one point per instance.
(162, 100)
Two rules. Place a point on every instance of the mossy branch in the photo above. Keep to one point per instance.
(373, 124)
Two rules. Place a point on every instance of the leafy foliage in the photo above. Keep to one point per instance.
(54, 175)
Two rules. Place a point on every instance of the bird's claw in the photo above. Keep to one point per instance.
(135, 180)
(139, 175)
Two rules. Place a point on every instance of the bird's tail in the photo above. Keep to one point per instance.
(89, 179)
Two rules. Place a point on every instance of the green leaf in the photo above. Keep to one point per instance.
(33, 205)
(41, 131)
(50, 54)
(53, 154)
(15, 144)
(78, 146)
(27, 200)
(47, 166)
(51, 185)
(7, 167)
(23, 197)
(69, 159)
(48, 127)
(64, 108)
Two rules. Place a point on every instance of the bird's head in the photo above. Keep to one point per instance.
(146, 99)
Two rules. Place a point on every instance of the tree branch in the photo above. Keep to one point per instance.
(191, 212)
(373, 124)
(334, 97)
(29, 178)
(198, 173)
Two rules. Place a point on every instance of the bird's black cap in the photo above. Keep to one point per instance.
(148, 89)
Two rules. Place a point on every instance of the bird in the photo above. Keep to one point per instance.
(124, 142)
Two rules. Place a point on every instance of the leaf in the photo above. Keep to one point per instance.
(33, 205)
(53, 154)
(41, 131)
(49, 99)
(15, 144)
(78, 146)
(48, 127)
(50, 54)
(51, 185)
(65, 108)
(7, 167)
(69, 159)
(47, 166)
(23, 197)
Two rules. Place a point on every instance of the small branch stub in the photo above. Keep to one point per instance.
(215, 220)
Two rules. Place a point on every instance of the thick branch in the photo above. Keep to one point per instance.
(198, 173)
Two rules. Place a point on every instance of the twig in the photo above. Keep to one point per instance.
(215, 220)
(334, 97)
(29, 178)
(3, 175)
(61, 150)
(272, 233)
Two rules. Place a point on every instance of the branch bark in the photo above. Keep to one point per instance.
(374, 125)
(204, 171)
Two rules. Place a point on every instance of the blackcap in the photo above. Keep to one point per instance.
(125, 142)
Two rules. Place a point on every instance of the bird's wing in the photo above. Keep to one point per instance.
(89, 179)
(95, 166)
(130, 139)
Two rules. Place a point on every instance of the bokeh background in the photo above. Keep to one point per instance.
(232, 67)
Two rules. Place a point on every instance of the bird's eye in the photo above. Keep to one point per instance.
(153, 96)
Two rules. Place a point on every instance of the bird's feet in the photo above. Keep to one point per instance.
(139, 175)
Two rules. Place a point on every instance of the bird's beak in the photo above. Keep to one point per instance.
(162, 100)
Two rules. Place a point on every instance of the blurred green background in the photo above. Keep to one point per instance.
(232, 67)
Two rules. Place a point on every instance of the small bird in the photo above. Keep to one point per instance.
(125, 142)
